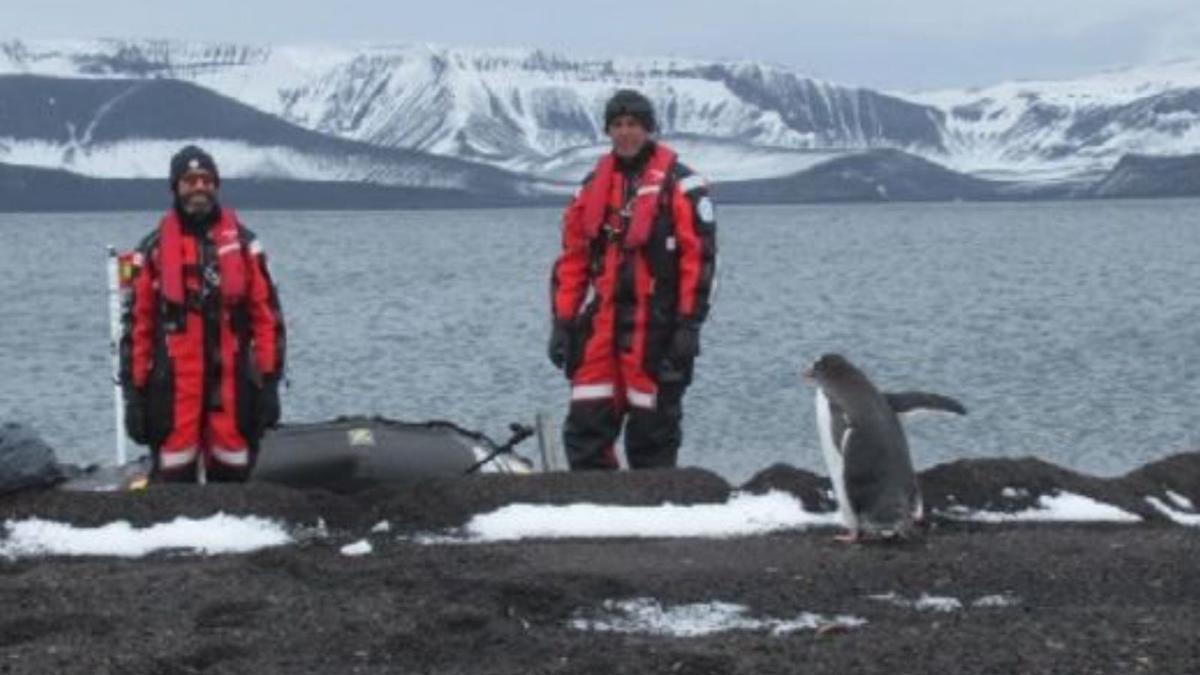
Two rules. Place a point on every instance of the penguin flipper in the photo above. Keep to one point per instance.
(912, 401)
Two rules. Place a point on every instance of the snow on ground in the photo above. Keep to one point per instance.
(997, 600)
(935, 603)
(1180, 501)
(209, 536)
(925, 603)
(648, 616)
(740, 516)
(1061, 507)
(1177, 516)
(359, 548)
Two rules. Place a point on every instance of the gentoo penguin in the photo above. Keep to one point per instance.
(866, 450)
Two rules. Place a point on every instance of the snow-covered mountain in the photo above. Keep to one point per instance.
(538, 114)
(129, 128)
(517, 109)
(1071, 127)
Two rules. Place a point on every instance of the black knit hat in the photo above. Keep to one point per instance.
(191, 158)
(632, 103)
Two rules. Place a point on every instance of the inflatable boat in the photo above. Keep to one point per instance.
(344, 454)
(354, 452)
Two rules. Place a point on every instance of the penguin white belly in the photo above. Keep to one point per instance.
(833, 459)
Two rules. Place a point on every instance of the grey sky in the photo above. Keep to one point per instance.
(891, 44)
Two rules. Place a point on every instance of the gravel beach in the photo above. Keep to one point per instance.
(964, 598)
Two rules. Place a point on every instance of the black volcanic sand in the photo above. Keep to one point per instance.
(1089, 598)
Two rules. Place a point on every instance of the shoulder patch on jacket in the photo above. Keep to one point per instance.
(705, 210)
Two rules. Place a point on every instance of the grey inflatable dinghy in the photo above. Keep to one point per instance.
(354, 452)
(345, 454)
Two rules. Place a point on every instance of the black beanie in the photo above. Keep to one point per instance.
(191, 158)
(632, 103)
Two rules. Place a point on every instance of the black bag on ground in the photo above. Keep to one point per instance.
(25, 460)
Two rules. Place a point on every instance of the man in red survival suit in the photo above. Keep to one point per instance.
(629, 293)
(203, 343)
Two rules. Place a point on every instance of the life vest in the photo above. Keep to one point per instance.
(597, 210)
(230, 259)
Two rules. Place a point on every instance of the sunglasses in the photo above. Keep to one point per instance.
(194, 180)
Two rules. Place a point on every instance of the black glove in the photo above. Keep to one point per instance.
(268, 403)
(135, 415)
(560, 344)
(685, 343)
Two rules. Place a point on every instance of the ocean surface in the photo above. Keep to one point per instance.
(1071, 331)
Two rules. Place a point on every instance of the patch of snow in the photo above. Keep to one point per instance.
(935, 603)
(742, 515)
(997, 600)
(381, 527)
(648, 617)
(1014, 493)
(925, 603)
(359, 548)
(1061, 507)
(1180, 501)
(311, 532)
(434, 539)
(1192, 519)
(214, 535)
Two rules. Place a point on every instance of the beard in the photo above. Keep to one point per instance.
(197, 208)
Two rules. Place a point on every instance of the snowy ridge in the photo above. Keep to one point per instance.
(539, 113)
(121, 58)
(147, 159)
(1075, 126)
(503, 107)
(1107, 88)
(116, 128)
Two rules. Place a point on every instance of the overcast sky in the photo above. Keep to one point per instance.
(890, 44)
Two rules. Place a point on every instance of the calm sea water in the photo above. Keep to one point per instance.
(1070, 330)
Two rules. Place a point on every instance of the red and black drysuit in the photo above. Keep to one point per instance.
(637, 266)
(203, 348)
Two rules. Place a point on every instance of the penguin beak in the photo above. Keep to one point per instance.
(807, 374)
